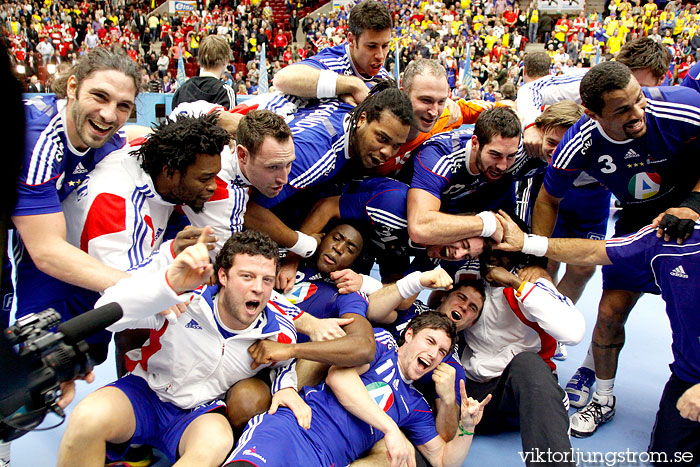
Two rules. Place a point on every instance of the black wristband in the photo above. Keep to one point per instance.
(692, 201)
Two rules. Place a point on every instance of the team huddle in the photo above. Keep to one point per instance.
(230, 353)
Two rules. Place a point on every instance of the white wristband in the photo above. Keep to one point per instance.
(325, 87)
(410, 285)
(305, 245)
(370, 284)
(490, 223)
(535, 245)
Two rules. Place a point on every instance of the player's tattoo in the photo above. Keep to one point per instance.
(608, 346)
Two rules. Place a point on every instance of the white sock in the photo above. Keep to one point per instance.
(604, 387)
(588, 361)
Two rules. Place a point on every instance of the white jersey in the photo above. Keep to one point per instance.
(116, 215)
(195, 359)
(511, 323)
(547, 90)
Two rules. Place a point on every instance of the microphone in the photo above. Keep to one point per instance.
(85, 325)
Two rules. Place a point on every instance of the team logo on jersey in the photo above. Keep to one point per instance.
(679, 272)
(79, 169)
(193, 324)
(301, 292)
(382, 394)
(644, 185)
(631, 154)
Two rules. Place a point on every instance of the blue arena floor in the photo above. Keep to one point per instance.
(642, 373)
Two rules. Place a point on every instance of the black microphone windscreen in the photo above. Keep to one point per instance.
(89, 323)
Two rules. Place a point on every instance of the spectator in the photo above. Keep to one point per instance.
(162, 64)
(545, 28)
(214, 57)
(294, 24)
(280, 43)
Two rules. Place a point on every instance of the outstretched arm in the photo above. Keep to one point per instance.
(357, 347)
(303, 81)
(566, 250)
(263, 220)
(44, 236)
(383, 302)
(428, 226)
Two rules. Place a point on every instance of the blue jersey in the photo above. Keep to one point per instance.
(320, 146)
(316, 294)
(692, 79)
(659, 167)
(336, 437)
(583, 212)
(441, 167)
(676, 271)
(425, 385)
(52, 168)
(380, 204)
(390, 391)
(337, 58)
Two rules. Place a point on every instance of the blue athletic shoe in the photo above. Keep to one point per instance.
(579, 387)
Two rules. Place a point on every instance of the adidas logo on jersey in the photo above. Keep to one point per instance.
(631, 154)
(193, 324)
(679, 272)
(79, 169)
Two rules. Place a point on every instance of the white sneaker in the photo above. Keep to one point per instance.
(561, 352)
(598, 411)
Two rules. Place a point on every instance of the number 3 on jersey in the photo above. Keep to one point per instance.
(608, 166)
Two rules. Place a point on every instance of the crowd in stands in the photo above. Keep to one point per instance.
(42, 36)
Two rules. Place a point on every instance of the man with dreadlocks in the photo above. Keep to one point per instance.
(119, 215)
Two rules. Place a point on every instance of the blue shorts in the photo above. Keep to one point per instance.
(277, 440)
(583, 213)
(158, 424)
(621, 277)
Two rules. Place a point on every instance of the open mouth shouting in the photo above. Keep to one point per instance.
(423, 364)
(374, 68)
(251, 306)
